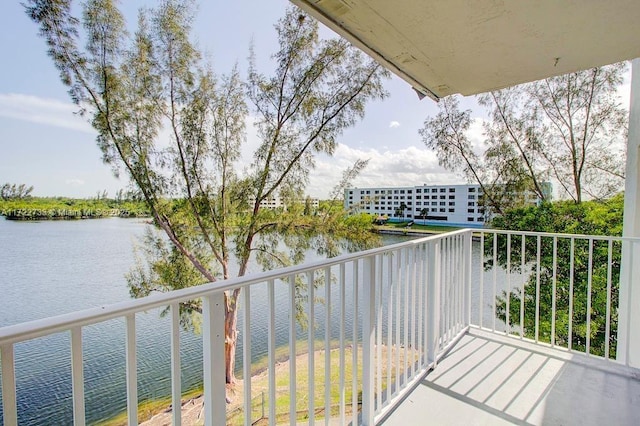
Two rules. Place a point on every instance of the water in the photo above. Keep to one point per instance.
(54, 267)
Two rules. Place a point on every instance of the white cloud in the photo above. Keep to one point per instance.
(39, 110)
(394, 124)
(404, 167)
(74, 182)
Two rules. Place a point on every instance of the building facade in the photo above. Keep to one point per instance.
(452, 205)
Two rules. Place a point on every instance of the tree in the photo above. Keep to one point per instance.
(133, 86)
(569, 128)
(14, 191)
(590, 217)
(424, 212)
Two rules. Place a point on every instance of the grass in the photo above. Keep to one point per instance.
(260, 386)
(416, 227)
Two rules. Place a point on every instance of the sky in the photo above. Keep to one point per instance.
(45, 144)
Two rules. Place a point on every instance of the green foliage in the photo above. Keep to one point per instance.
(592, 218)
(41, 208)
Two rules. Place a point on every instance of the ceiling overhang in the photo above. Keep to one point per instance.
(469, 47)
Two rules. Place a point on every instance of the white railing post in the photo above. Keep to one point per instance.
(468, 253)
(77, 377)
(368, 333)
(176, 383)
(433, 301)
(131, 367)
(9, 405)
(213, 339)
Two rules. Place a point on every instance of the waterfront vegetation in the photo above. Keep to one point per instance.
(45, 208)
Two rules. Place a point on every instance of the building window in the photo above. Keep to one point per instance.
(408, 214)
(409, 191)
(434, 203)
(470, 210)
(472, 197)
(418, 190)
(376, 192)
(452, 190)
(426, 190)
(443, 197)
(452, 197)
(443, 189)
(469, 219)
(442, 210)
(472, 190)
(350, 192)
(368, 192)
(442, 203)
(434, 197)
(361, 192)
(418, 203)
(418, 197)
(471, 204)
(402, 191)
(452, 203)
(395, 191)
(452, 210)
(480, 219)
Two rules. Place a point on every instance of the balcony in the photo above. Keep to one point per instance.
(421, 332)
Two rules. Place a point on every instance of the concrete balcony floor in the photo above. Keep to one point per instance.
(488, 379)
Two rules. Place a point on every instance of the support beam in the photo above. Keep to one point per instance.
(629, 311)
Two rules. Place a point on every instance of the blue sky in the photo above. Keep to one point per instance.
(42, 142)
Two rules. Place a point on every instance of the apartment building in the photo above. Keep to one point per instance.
(276, 202)
(454, 205)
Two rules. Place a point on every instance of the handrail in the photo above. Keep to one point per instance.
(45, 326)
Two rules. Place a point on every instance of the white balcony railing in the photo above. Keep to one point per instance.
(390, 314)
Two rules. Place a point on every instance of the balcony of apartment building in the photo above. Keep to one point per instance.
(470, 327)
(429, 331)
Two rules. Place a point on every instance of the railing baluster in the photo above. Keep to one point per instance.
(508, 286)
(343, 326)
(9, 403)
(397, 289)
(607, 333)
(433, 303)
(537, 313)
(378, 343)
(571, 265)
(327, 345)
(522, 291)
(292, 351)
(481, 295)
(354, 354)
(77, 376)
(131, 370)
(390, 284)
(412, 306)
(368, 338)
(213, 354)
(589, 283)
(406, 307)
(554, 284)
(271, 351)
(420, 304)
(246, 356)
(311, 328)
(468, 253)
(495, 280)
(176, 383)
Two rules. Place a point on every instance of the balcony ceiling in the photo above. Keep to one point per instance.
(469, 47)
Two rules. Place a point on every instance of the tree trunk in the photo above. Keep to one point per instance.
(230, 342)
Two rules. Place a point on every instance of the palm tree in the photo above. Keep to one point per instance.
(424, 212)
